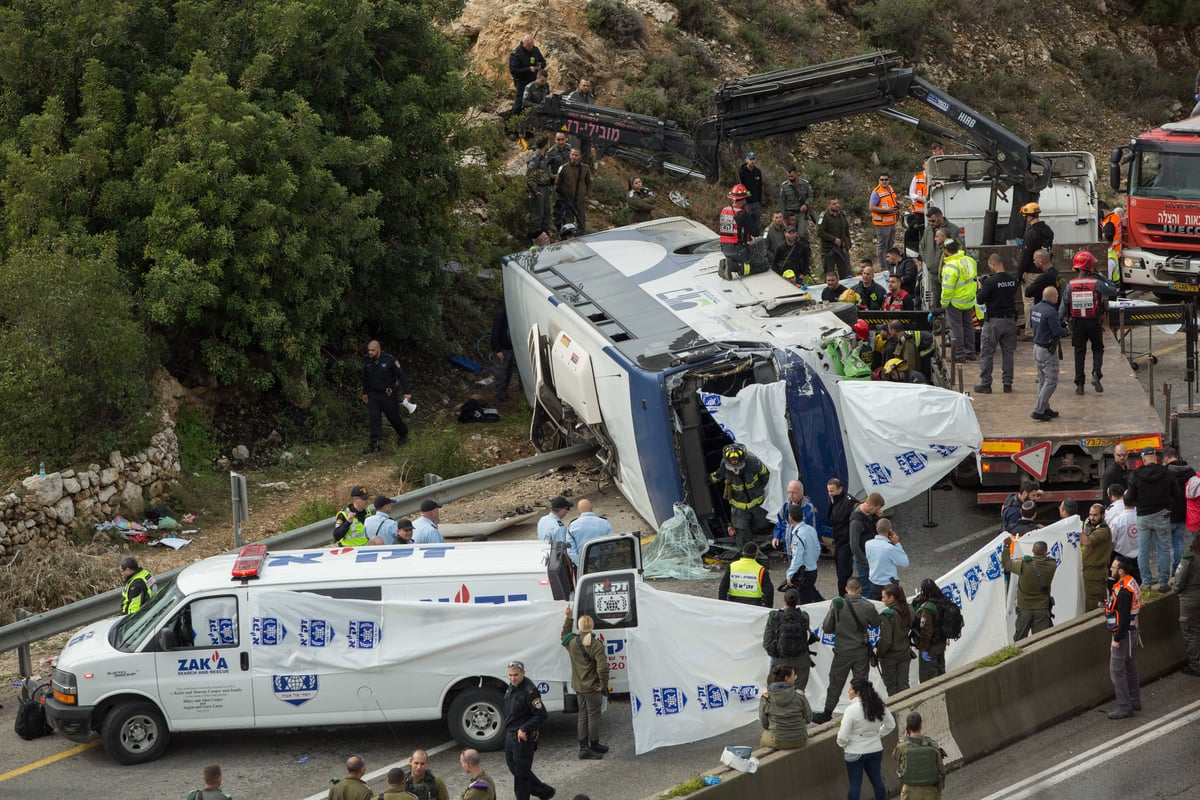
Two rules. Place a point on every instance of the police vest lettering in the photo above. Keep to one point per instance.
(887, 201)
(728, 227)
(1111, 614)
(920, 763)
(1085, 300)
(743, 578)
(918, 205)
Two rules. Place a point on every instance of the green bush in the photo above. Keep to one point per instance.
(315, 510)
(616, 21)
(197, 447)
(674, 85)
(700, 17)
(1131, 81)
(896, 24)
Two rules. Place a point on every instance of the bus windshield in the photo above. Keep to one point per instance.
(133, 629)
(1165, 175)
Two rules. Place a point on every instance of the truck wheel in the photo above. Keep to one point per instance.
(476, 719)
(964, 475)
(846, 312)
(134, 733)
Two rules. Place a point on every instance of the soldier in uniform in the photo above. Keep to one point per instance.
(382, 374)
(524, 715)
(848, 619)
(395, 789)
(352, 787)
(1035, 575)
(481, 787)
(421, 782)
(919, 763)
(1097, 542)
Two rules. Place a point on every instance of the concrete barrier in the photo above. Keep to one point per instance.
(974, 711)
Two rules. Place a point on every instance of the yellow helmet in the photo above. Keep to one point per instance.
(894, 364)
(1031, 209)
(734, 452)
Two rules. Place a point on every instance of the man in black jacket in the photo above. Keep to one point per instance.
(841, 505)
(1154, 492)
(383, 377)
(998, 291)
(862, 530)
(524, 63)
(1117, 472)
(524, 715)
(1038, 236)
(1182, 472)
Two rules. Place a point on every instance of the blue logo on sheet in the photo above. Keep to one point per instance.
(668, 700)
(995, 566)
(878, 474)
(221, 632)
(911, 462)
(266, 631)
(745, 694)
(1056, 553)
(363, 634)
(944, 450)
(315, 633)
(711, 401)
(711, 696)
(972, 580)
(295, 690)
(952, 591)
(1073, 539)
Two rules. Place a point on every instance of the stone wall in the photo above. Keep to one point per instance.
(43, 510)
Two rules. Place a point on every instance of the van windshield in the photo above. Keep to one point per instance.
(130, 633)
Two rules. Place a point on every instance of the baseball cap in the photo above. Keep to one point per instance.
(1149, 451)
(404, 524)
(382, 500)
(560, 502)
(430, 505)
(360, 491)
(751, 155)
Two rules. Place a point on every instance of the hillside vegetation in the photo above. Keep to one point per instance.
(244, 193)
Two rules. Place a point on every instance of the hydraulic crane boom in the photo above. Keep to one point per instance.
(786, 101)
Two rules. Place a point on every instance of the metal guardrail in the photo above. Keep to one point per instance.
(84, 612)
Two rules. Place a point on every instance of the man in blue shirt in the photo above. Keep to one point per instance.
(1048, 328)
(587, 526)
(425, 526)
(885, 556)
(380, 528)
(550, 527)
(806, 551)
(795, 496)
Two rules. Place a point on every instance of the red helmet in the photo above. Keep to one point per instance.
(738, 192)
(1084, 260)
(862, 330)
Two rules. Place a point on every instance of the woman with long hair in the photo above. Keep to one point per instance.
(929, 618)
(865, 723)
(893, 649)
(589, 679)
(784, 711)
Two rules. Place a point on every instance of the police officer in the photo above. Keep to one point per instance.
(920, 762)
(998, 292)
(1048, 328)
(737, 227)
(747, 581)
(746, 479)
(382, 374)
(524, 715)
(550, 528)
(481, 787)
(139, 586)
(1084, 300)
(349, 525)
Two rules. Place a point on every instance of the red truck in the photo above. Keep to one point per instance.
(1161, 236)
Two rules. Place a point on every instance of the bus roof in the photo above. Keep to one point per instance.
(289, 567)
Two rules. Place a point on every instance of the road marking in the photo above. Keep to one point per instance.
(1143, 734)
(991, 531)
(370, 776)
(47, 760)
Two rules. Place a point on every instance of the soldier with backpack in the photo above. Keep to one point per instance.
(920, 762)
(212, 786)
(787, 635)
(938, 619)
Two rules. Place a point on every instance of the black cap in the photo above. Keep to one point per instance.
(790, 229)
(382, 500)
(1149, 451)
(404, 524)
(429, 505)
(360, 491)
(560, 502)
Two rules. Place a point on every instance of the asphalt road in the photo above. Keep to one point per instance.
(294, 764)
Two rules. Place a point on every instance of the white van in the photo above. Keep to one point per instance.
(327, 637)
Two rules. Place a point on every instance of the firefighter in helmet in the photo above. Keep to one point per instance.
(737, 230)
(745, 479)
(1084, 300)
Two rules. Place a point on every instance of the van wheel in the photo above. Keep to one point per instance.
(477, 719)
(134, 733)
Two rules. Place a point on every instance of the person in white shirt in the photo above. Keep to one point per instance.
(425, 526)
(1122, 523)
(866, 721)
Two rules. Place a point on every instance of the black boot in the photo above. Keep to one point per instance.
(586, 753)
(599, 748)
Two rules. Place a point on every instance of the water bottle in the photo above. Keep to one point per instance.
(42, 469)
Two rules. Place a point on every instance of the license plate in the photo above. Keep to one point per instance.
(1184, 287)
(1097, 442)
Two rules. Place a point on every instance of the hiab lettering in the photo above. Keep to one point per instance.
(209, 665)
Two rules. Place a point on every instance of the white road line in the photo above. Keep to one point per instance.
(370, 776)
(1142, 734)
(990, 531)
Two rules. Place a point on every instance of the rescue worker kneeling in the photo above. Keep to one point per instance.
(737, 228)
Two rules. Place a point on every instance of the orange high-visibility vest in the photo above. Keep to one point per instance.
(887, 200)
